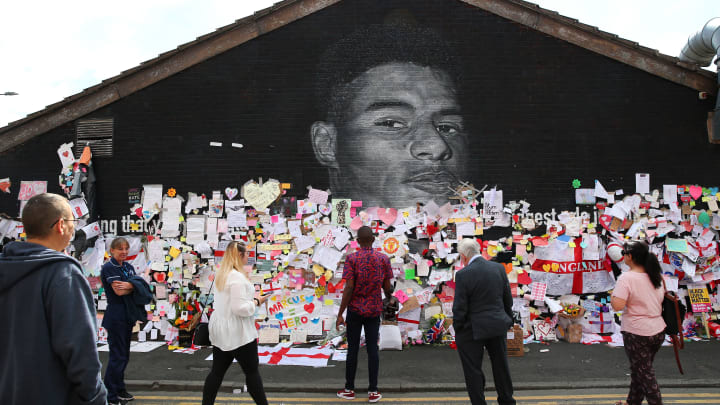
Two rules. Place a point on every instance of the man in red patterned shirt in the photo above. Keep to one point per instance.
(365, 273)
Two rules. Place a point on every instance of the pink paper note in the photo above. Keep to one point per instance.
(401, 296)
(356, 204)
(317, 196)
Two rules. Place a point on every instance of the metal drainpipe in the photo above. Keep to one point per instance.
(700, 49)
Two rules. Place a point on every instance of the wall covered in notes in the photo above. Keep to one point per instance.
(512, 107)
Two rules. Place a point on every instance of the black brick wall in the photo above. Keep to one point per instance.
(542, 112)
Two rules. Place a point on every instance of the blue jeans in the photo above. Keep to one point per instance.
(355, 323)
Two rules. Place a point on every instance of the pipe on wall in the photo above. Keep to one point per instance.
(700, 49)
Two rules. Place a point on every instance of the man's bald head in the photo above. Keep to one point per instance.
(41, 211)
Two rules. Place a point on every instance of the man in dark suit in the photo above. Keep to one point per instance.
(482, 315)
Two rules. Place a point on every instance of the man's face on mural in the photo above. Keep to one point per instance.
(402, 138)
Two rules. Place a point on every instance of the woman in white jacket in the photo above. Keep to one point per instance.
(232, 326)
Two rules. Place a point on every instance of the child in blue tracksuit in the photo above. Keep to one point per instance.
(118, 323)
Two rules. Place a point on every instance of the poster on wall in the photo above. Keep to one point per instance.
(29, 189)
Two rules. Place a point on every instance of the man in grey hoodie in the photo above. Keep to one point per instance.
(47, 346)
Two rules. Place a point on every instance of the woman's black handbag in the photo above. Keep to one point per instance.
(673, 313)
(201, 335)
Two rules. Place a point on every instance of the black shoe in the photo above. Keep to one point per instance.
(125, 396)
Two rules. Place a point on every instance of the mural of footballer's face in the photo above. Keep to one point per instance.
(402, 138)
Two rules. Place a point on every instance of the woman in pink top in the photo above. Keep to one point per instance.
(639, 294)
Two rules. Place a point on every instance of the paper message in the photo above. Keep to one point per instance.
(260, 197)
(317, 196)
(492, 203)
(699, 299)
(91, 230)
(327, 257)
(29, 189)
(341, 212)
(642, 183)
(79, 208)
(65, 154)
(152, 197)
(5, 185)
(585, 196)
(676, 245)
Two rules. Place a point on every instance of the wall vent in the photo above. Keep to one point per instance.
(98, 133)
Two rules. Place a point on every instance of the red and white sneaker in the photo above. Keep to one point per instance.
(346, 394)
(374, 396)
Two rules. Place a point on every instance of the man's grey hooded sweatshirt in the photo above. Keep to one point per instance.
(48, 352)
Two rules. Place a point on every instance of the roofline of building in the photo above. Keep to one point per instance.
(607, 44)
(157, 69)
(285, 12)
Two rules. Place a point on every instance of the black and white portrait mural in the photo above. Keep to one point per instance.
(392, 131)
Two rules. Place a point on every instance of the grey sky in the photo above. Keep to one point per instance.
(52, 50)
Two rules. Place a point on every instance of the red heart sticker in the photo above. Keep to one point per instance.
(159, 276)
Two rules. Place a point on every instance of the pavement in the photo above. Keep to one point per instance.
(437, 368)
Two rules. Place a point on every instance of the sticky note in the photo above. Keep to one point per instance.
(174, 252)
(401, 296)
(409, 274)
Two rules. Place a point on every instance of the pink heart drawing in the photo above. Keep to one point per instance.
(356, 223)
(695, 192)
(531, 258)
(387, 215)
(309, 308)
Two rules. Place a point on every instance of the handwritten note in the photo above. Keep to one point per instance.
(676, 245)
(29, 189)
(317, 196)
(260, 197)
